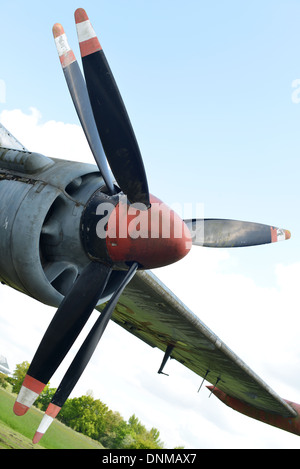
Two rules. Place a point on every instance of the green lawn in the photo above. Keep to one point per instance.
(17, 432)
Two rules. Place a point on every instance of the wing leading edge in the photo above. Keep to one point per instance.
(150, 311)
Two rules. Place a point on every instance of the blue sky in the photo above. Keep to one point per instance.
(209, 90)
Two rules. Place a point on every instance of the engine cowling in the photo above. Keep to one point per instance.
(41, 203)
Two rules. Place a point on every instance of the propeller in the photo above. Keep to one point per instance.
(217, 233)
(82, 358)
(113, 124)
(70, 318)
(109, 133)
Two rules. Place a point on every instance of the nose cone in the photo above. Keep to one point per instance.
(154, 238)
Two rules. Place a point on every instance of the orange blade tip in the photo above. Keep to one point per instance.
(80, 15)
(37, 437)
(287, 234)
(58, 30)
(20, 409)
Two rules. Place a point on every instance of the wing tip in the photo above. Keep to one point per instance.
(289, 423)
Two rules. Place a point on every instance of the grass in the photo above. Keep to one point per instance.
(17, 432)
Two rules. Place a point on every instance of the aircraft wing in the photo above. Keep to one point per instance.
(150, 311)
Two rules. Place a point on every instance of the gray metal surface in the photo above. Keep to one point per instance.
(41, 202)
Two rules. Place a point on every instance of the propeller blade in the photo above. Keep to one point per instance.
(81, 359)
(79, 94)
(70, 318)
(114, 127)
(218, 233)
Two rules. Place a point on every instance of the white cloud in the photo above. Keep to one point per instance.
(51, 138)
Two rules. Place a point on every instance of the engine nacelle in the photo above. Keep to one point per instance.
(41, 203)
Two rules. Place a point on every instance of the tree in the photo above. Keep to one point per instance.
(141, 438)
(19, 375)
(85, 414)
(45, 397)
(3, 381)
(114, 431)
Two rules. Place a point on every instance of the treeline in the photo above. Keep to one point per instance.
(92, 417)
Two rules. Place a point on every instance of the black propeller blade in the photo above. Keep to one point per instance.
(218, 233)
(70, 318)
(79, 94)
(82, 358)
(113, 124)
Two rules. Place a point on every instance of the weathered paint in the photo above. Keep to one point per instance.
(65, 53)
(278, 234)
